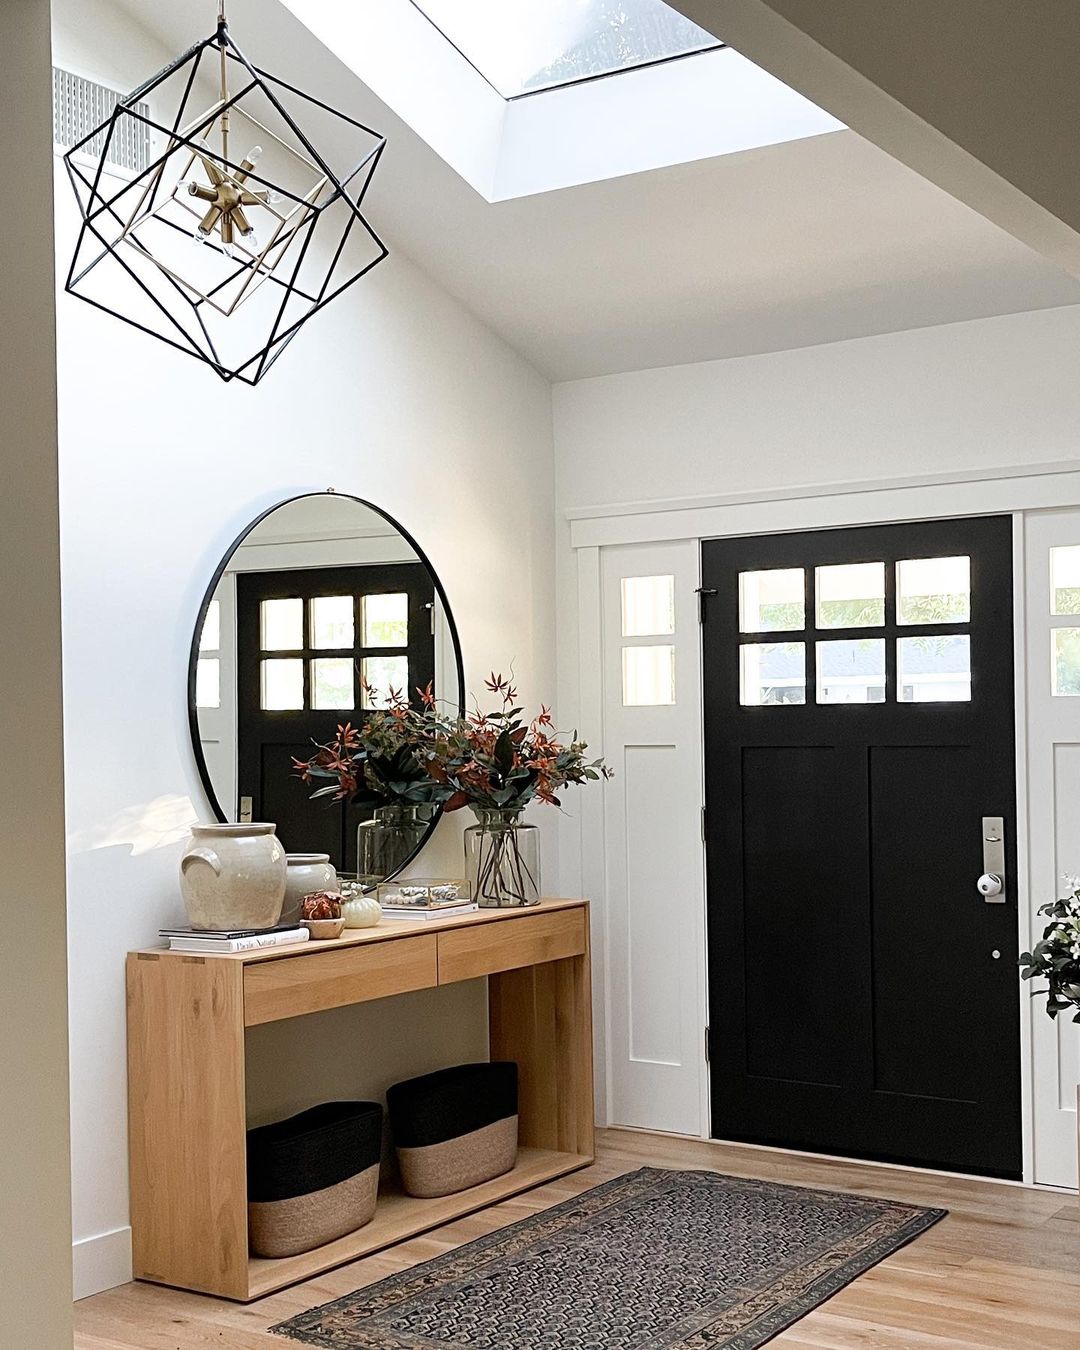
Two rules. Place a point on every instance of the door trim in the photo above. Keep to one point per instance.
(998, 491)
(581, 691)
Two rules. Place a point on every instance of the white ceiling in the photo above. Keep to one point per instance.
(790, 245)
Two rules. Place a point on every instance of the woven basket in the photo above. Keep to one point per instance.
(455, 1128)
(314, 1177)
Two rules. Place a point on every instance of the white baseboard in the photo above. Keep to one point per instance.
(101, 1262)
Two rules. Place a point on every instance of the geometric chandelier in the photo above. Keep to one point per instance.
(239, 229)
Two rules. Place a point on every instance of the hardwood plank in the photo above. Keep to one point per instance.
(332, 979)
(536, 937)
(186, 1122)
(969, 1283)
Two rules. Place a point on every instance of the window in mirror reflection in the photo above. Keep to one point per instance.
(331, 622)
(381, 674)
(282, 626)
(332, 683)
(386, 620)
(210, 639)
(208, 682)
(282, 684)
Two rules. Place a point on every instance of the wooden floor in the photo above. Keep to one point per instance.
(1002, 1272)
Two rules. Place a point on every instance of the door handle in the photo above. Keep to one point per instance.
(991, 885)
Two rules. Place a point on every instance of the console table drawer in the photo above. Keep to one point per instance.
(292, 987)
(486, 948)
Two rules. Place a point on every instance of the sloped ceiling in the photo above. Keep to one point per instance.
(792, 245)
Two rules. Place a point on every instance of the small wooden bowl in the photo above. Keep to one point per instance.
(322, 930)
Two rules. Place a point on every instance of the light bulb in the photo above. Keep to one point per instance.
(228, 250)
(199, 235)
(254, 154)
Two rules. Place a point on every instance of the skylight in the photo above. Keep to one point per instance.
(524, 46)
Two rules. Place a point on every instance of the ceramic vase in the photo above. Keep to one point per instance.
(502, 859)
(233, 876)
(304, 874)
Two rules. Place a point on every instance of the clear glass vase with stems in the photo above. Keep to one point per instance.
(386, 841)
(502, 858)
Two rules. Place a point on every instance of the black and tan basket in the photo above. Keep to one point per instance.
(455, 1128)
(314, 1177)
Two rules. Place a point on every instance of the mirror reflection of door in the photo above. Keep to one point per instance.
(315, 648)
(319, 611)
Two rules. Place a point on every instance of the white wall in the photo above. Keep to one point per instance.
(1000, 391)
(394, 393)
(35, 1255)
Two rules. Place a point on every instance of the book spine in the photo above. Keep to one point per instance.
(286, 939)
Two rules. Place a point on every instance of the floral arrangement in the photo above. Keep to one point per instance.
(375, 762)
(487, 760)
(1057, 956)
(499, 760)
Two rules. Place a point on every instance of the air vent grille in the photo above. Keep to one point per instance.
(80, 105)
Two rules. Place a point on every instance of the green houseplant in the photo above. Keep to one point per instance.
(1057, 957)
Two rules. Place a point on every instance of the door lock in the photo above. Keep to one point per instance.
(991, 885)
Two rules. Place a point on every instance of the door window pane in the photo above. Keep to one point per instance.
(381, 674)
(648, 606)
(210, 638)
(934, 669)
(772, 672)
(851, 671)
(332, 622)
(772, 601)
(1065, 580)
(332, 682)
(282, 625)
(933, 590)
(386, 620)
(851, 595)
(208, 682)
(648, 676)
(1066, 662)
(282, 684)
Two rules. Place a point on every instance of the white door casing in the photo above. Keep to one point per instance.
(654, 887)
(1053, 735)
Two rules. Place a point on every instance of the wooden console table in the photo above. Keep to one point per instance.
(186, 1092)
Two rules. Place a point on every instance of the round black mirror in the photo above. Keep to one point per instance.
(321, 607)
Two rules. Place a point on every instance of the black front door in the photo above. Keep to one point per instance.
(306, 641)
(858, 727)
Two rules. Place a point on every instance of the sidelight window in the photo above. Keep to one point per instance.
(1064, 637)
(648, 667)
(208, 666)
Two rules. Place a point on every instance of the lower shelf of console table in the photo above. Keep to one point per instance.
(186, 1077)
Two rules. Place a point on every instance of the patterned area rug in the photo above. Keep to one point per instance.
(653, 1259)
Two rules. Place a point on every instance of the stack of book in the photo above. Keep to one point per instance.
(215, 941)
(422, 902)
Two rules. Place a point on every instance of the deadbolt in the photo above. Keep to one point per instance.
(991, 885)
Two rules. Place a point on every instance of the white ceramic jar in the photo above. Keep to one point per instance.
(233, 876)
(304, 874)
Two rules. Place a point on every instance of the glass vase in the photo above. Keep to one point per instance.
(387, 841)
(502, 859)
